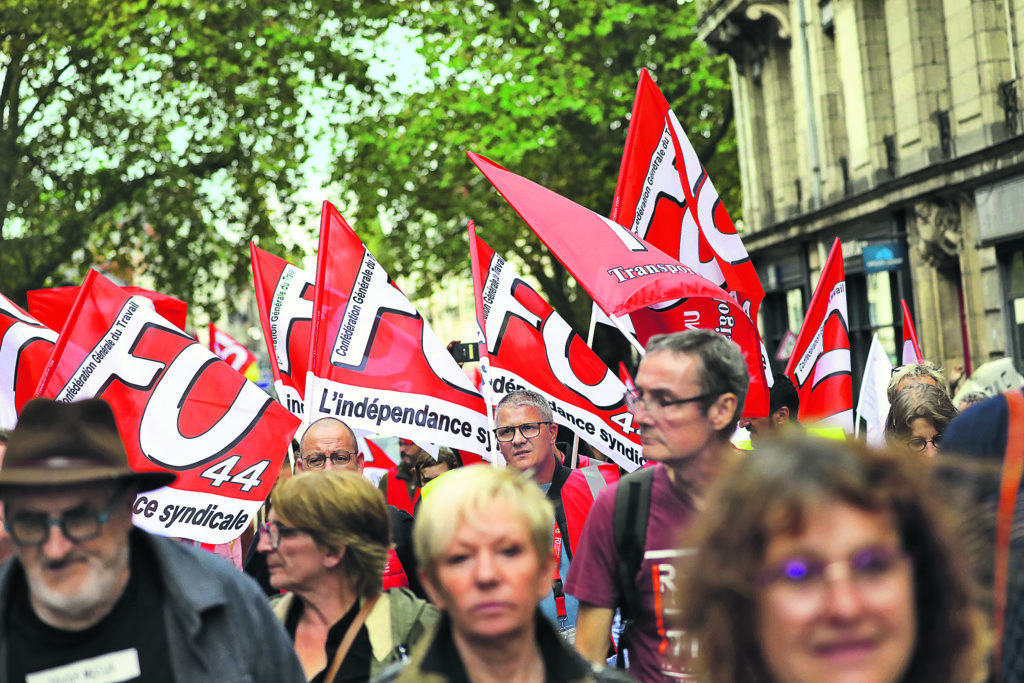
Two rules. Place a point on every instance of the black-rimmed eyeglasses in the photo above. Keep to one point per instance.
(529, 430)
(78, 524)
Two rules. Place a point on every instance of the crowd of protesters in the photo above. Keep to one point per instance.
(791, 559)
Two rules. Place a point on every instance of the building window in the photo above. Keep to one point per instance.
(1013, 288)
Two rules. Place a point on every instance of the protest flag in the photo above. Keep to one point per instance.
(375, 362)
(665, 196)
(232, 352)
(530, 346)
(911, 351)
(284, 297)
(51, 306)
(873, 401)
(820, 365)
(25, 347)
(178, 408)
(623, 273)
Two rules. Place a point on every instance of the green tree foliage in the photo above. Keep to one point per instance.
(544, 88)
(161, 135)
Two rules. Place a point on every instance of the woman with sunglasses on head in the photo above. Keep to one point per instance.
(821, 560)
(326, 541)
(917, 418)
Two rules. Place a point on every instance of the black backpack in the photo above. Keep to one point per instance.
(632, 511)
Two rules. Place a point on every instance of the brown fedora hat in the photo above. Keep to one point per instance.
(57, 443)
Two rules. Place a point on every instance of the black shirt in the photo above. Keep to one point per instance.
(132, 632)
(355, 668)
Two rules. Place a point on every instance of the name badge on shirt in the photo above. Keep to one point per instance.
(109, 668)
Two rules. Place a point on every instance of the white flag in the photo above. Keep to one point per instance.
(873, 404)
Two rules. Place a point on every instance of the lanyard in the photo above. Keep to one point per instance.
(556, 580)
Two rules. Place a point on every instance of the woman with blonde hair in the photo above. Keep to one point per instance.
(483, 541)
(822, 560)
(326, 540)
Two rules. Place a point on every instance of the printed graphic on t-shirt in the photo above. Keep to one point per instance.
(113, 667)
(675, 647)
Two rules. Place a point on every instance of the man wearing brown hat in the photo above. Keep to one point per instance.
(90, 598)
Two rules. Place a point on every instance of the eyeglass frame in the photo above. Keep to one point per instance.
(352, 455)
(826, 572)
(934, 441)
(519, 427)
(273, 530)
(634, 398)
(101, 518)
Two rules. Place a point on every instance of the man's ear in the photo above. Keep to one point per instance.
(781, 416)
(360, 461)
(723, 411)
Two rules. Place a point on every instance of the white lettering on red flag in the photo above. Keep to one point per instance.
(178, 407)
(529, 346)
(284, 297)
(623, 273)
(376, 364)
(25, 347)
(665, 195)
(820, 365)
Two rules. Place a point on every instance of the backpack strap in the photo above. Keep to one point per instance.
(1013, 465)
(632, 511)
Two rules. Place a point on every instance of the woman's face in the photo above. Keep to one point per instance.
(299, 563)
(489, 578)
(836, 601)
(922, 436)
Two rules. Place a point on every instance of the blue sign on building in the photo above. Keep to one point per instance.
(886, 256)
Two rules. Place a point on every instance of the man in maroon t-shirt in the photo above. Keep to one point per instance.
(689, 395)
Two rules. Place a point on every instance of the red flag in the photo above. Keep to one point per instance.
(376, 363)
(178, 408)
(664, 195)
(284, 296)
(623, 273)
(911, 349)
(232, 352)
(530, 346)
(51, 306)
(820, 364)
(25, 346)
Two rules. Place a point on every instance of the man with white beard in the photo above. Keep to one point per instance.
(90, 598)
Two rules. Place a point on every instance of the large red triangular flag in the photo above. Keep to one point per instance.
(25, 347)
(178, 408)
(623, 273)
(284, 297)
(664, 195)
(232, 352)
(820, 365)
(51, 306)
(530, 346)
(911, 349)
(376, 364)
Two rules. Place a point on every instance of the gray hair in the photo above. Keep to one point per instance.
(723, 368)
(913, 371)
(526, 397)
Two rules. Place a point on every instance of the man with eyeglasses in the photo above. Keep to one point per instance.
(330, 444)
(89, 597)
(689, 395)
(526, 435)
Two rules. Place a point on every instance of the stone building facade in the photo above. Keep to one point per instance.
(896, 126)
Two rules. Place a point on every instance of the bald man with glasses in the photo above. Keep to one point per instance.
(526, 435)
